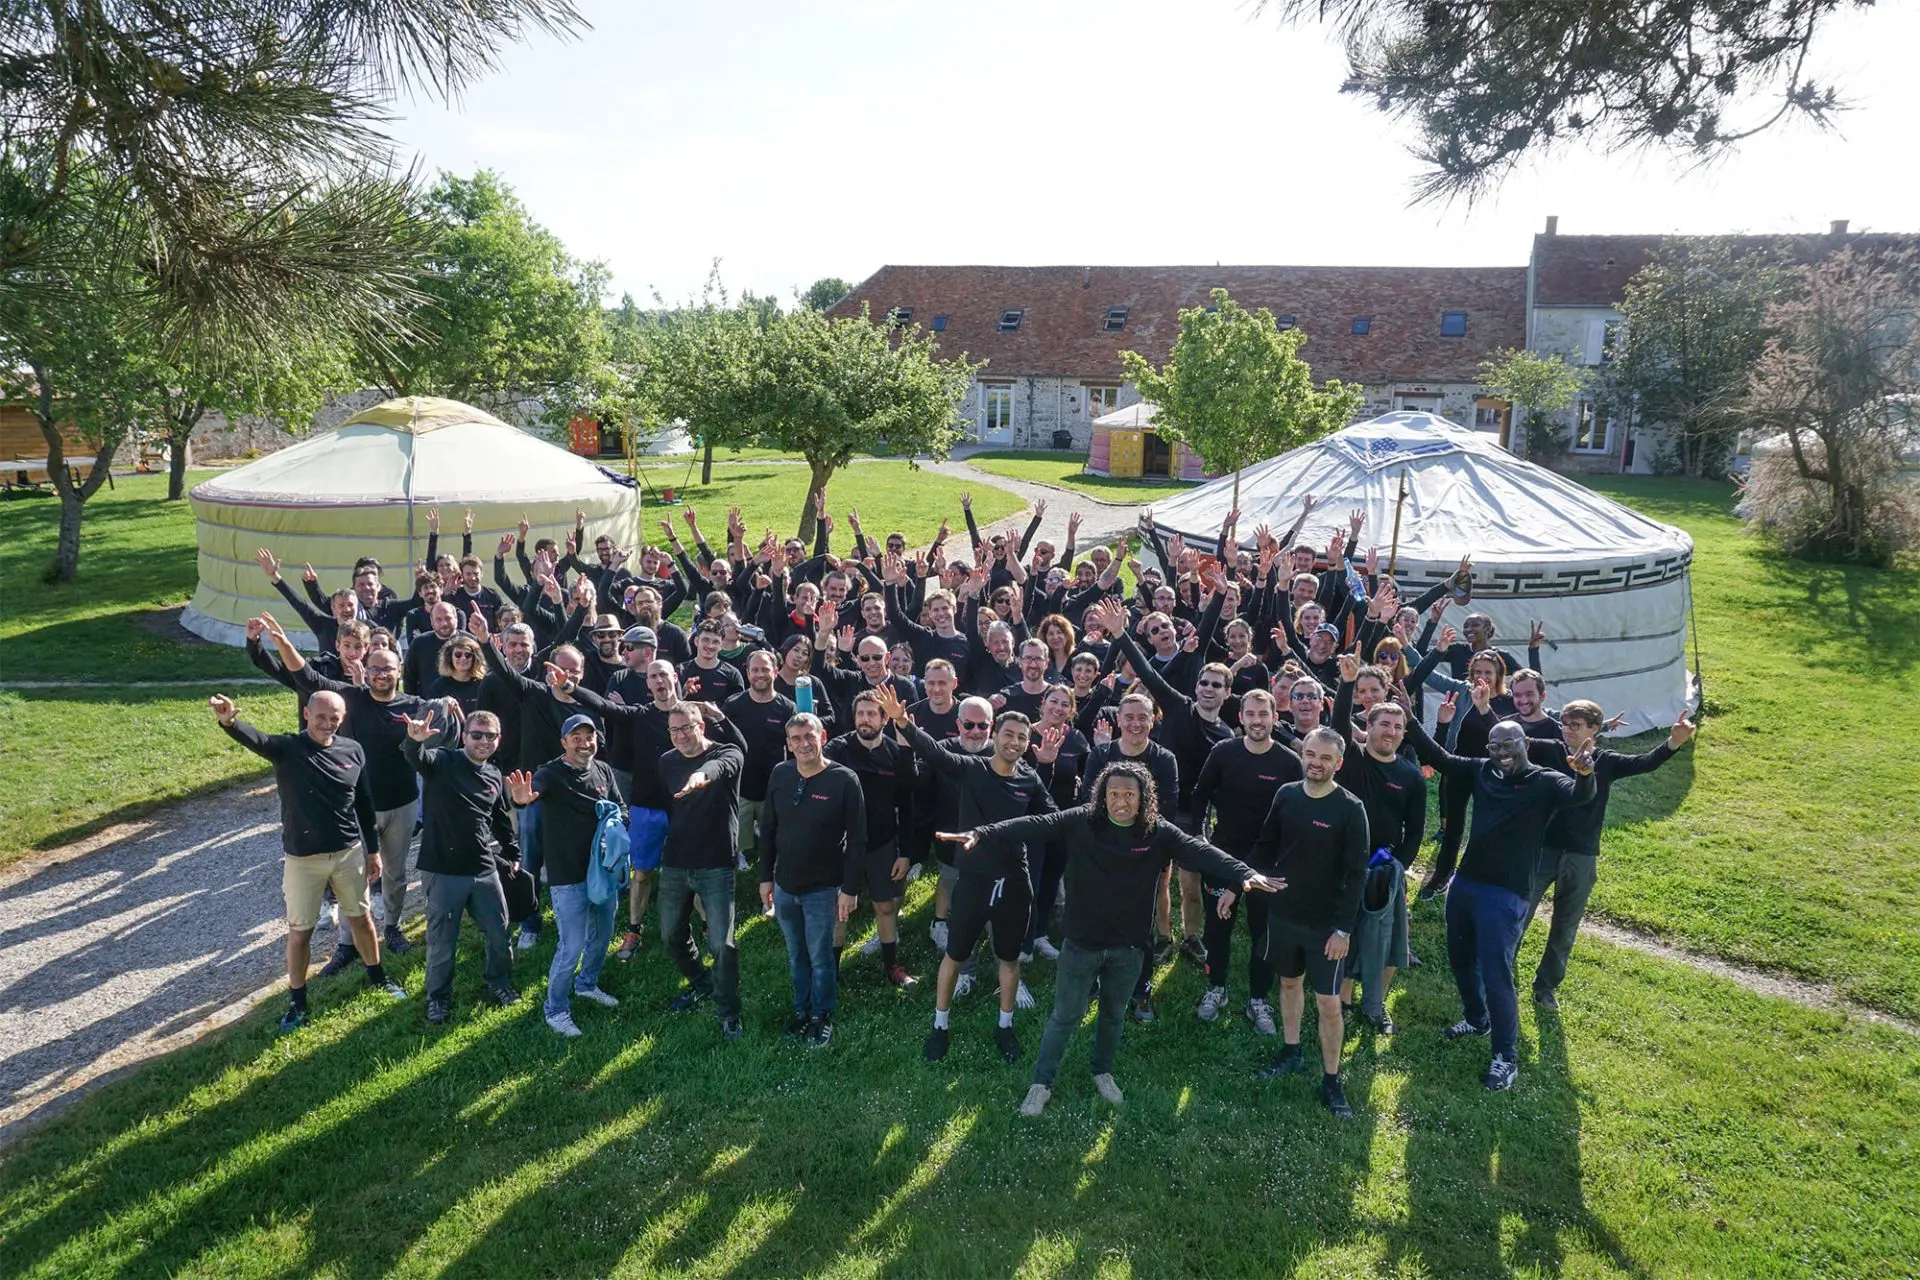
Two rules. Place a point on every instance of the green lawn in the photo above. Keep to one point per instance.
(1665, 1125)
(1042, 466)
(75, 759)
(1786, 837)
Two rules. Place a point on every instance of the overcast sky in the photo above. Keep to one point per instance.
(794, 140)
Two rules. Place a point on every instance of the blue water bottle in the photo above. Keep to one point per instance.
(803, 693)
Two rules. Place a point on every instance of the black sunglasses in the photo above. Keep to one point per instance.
(976, 724)
(481, 735)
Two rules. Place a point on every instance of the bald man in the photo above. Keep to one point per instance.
(328, 833)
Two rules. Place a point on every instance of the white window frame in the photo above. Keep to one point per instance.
(996, 407)
(1585, 414)
(1100, 399)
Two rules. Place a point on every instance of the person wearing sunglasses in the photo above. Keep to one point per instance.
(467, 827)
(969, 729)
(991, 891)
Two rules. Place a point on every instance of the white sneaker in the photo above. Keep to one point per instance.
(1212, 1004)
(913, 872)
(963, 988)
(1023, 998)
(563, 1023)
(1036, 1100)
(1026, 957)
(1045, 949)
(871, 947)
(939, 934)
(526, 940)
(330, 915)
(598, 996)
(1262, 1015)
(1108, 1089)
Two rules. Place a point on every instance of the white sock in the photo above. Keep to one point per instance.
(939, 1019)
(1006, 1018)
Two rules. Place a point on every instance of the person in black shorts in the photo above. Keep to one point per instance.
(993, 889)
(886, 772)
(1314, 838)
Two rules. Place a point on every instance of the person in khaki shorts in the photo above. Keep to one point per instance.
(327, 830)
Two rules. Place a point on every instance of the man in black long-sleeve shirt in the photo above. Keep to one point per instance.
(466, 825)
(1118, 848)
(1394, 792)
(760, 714)
(1315, 838)
(995, 890)
(813, 840)
(1513, 800)
(1570, 855)
(700, 780)
(327, 831)
(886, 773)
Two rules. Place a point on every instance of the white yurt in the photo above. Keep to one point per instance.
(1611, 585)
(363, 489)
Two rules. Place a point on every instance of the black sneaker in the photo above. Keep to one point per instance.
(936, 1046)
(1336, 1098)
(294, 1018)
(1288, 1062)
(1462, 1029)
(1007, 1042)
(797, 1025)
(343, 959)
(687, 1001)
(730, 1028)
(1501, 1073)
(1382, 1025)
(1194, 950)
(1546, 1000)
(820, 1031)
(438, 1010)
(1162, 950)
(1413, 961)
(394, 942)
(505, 997)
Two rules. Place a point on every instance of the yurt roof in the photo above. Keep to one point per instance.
(414, 449)
(1465, 494)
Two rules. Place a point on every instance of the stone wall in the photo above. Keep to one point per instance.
(217, 437)
(1043, 405)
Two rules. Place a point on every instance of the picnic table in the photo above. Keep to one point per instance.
(32, 473)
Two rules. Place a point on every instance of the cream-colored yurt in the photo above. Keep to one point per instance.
(1611, 585)
(364, 488)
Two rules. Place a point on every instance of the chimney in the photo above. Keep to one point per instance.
(1553, 224)
(1838, 228)
(1086, 280)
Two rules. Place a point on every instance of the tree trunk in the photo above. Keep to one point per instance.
(179, 445)
(706, 464)
(822, 472)
(66, 555)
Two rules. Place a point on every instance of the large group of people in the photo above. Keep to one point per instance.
(1056, 750)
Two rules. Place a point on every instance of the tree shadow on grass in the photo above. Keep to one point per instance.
(1493, 1179)
(1861, 621)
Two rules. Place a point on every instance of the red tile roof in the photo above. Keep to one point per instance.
(1064, 310)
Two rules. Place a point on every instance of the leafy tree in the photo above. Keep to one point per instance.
(505, 313)
(1489, 84)
(1235, 391)
(1540, 385)
(1696, 322)
(824, 389)
(239, 147)
(824, 292)
(1839, 376)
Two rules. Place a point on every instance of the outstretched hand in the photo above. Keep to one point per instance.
(223, 709)
(965, 839)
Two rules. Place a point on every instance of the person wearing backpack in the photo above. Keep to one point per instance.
(467, 823)
(570, 791)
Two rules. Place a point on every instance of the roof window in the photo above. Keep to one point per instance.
(1010, 320)
(1116, 319)
(1361, 324)
(1453, 324)
(1286, 322)
(939, 324)
(900, 317)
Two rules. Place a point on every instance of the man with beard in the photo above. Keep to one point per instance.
(1394, 792)
(990, 891)
(327, 831)
(376, 718)
(812, 843)
(1238, 782)
(1025, 697)
(422, 662)
(886, 773)
(1513, 802)
(700, 778)
(1314, 838)
(466, 825)
(644, 607)
(760, 713)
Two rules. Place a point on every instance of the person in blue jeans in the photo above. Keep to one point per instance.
(568, 792)
(1513, 801)
(813, 844)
